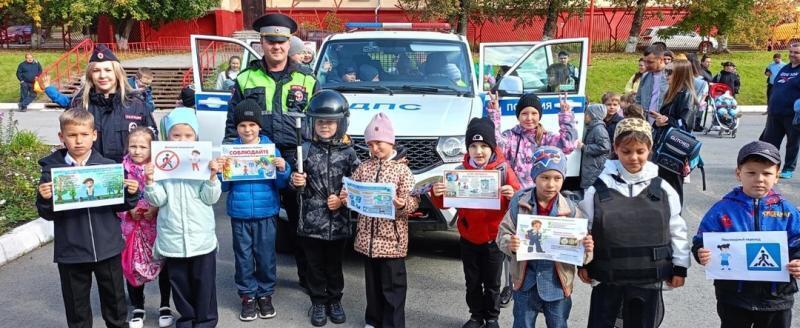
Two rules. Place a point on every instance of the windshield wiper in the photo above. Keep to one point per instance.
(346, 88)
(431, 88)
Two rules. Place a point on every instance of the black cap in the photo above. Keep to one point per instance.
(759, 148)
(101, 53)
(481, 130)
(529, 100)
(275, 27)
(247, 111)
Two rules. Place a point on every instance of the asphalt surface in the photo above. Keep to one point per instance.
(31, 296)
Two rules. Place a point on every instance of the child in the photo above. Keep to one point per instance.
(87, 240)
(655, 228)
(253, 206)
(596, 145)
(754, 303)
(482, 260)
(632, 111)
(324, 225)
(727, 109)
(541, 285)
(384, 242)
(142, 82)
(520, 141)
(613, 114)
(185, 235)
(627, 100)
(140, 222)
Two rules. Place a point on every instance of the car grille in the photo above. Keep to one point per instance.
(421, 153)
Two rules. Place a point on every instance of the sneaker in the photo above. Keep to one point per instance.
(265, 308)
(786, 174)
(249, 310)
(505, 297)
(137, 319)
(165, 317)
(473, 323)
(336, 313)
(492, 323)
(317, 314)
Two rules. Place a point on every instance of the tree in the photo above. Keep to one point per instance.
(457, 12)
(706, 16)
(114, 186)
(33, 15)
(639, 7)
(754, 27)
(524, 12)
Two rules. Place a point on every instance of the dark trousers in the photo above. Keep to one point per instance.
(675, 180)
(483, 267)
(194, 289)
(777, 128)
(290, 203)
(136, 294)
(254, 256)
(26, 94)
(325, 278)
(641, 307)
(386, 286)
(76, 283)
(736, 317)
(769, 91)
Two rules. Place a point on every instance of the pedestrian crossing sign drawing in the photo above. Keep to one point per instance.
(763, 257)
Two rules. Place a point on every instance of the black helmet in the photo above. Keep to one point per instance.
(328, 105)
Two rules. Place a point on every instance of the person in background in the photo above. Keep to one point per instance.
(633, 83)
(27, 71)
(225, 79)
(729, 77)
(563, 58)
(705, 63)
(772, 71)
(142, 82)
(669, 56)
(654, 84)
(701, 88)
(308, 55)
(296, 49)
(781, 111)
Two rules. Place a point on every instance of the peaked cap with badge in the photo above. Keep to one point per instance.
(275, 27)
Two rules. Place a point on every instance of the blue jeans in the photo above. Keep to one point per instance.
(528, 305)
(254, 255)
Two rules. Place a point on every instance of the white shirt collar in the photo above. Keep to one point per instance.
(71, 161)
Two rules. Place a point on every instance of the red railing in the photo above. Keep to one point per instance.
(203, 57)
(70, 64)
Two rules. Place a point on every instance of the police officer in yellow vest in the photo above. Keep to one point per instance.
(280, 86)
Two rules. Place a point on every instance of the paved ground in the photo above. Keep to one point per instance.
(31, 295)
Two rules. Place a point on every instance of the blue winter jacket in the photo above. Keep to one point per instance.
(738, 212)
(256, 199)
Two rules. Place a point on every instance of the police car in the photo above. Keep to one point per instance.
(424, 80)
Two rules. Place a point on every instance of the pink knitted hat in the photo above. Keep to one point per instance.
(379, 129)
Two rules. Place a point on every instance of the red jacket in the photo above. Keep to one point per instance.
(479, 226)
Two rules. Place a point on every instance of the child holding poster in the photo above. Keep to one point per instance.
(480, 256)
(253, 206)
(86, 240)
(753, 303)
(139, 267)
(384, 242)
(541, 285)
(627, 279)
(185, 232)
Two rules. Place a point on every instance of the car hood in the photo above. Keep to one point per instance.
(417, 115)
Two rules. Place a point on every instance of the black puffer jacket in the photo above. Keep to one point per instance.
(83, 235)
(114, 120)
(325, 166)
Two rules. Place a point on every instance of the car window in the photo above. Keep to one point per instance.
(498, 59)
(551, 69)
(647, 32)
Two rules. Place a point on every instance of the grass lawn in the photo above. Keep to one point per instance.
(610, 72)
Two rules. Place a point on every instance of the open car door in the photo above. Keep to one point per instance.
(547, 68)
(211, 56)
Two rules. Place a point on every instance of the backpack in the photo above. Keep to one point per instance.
(678, 151)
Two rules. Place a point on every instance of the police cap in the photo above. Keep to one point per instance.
(275, 27)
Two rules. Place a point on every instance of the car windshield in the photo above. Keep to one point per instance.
(395, 66)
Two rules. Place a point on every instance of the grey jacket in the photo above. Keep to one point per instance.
(646, 90)
(597, 147)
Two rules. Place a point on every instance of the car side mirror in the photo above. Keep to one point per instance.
(510, 86)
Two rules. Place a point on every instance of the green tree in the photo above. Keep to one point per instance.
(114, 186)
(457, 12)
(638, 7)
(705, 16)
(524, 12)
(754, 27)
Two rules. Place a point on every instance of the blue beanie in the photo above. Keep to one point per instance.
(546, 158)
(182, 115)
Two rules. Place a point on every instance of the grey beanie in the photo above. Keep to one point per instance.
(296, 46)
(596, 111)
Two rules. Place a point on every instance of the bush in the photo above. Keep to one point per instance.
(19, 153)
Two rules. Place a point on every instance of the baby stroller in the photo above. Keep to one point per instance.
(724, 111)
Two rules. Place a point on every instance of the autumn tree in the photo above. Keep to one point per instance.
(639, 11)
(525, 12)
(754, 27)
(706, 16)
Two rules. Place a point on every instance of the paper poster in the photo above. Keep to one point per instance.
(551, 238)
(181, 160)
(751, 255)
(87, 186)
(424, 186)
(370, 199)
(472, 189)
(248, 162)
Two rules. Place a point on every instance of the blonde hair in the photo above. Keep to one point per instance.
(76, 116)
(144, 72)
(122, 83)
(142, 130)
(682, 80)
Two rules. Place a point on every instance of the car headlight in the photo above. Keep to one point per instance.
(451, 149)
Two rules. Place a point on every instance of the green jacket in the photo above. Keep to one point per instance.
(185, 217)
(290, 92)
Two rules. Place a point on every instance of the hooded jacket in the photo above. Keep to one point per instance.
(597, 147)
(631, 185)
(729, 78)
(517, 144)
(508, 227)
(382, 238)
(611, 126)
(479, 226)
(327, 163)
(82, 235)
(738, 212)
(256, 199)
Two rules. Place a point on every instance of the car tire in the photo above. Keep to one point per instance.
(705, 47)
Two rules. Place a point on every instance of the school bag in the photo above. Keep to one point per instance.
(678, 151)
